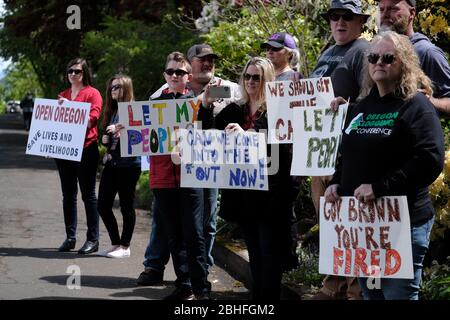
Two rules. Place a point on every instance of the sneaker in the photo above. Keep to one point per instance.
(105, 252)
(150, 277)
(119, 253)
(182, 293)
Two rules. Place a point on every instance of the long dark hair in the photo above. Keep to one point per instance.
(87, 77)
(110, 104)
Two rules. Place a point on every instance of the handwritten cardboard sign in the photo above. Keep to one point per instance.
(283, 97)
(215, 159)
(150, 126)
(58, 131)
(317, 134)
(366, 240)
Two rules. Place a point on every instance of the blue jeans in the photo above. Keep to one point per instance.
(404, 289)
(157, 253)
(209, 223)
(182, 218)
(83, 173)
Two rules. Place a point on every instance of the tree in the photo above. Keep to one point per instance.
(37, 31)
(136, 49)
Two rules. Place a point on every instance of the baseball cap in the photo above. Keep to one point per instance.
(280, 39)
(201, 50)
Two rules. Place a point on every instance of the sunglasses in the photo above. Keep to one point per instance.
(336, 16)
(74, 71)
(116, 87)
(178, 72)
(254, 77)
(387, 58)
(274, 49)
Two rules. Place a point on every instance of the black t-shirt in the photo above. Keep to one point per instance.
(344, 65)
(395, 145)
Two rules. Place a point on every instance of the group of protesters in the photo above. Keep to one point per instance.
(398, 71)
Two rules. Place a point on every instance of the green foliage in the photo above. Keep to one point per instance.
(436, 281)
(2, 107)
(144, 195)
(238, 37)
(20, 78)
(307, 273)
(136, 49)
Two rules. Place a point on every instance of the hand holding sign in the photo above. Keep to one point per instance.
(364, 193)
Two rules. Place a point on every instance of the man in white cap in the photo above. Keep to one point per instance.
(398, 16)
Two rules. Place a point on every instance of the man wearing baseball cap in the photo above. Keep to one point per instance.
(398, 16)
(343, 62)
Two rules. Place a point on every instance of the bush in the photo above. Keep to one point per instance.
(144, 195)
(440, 195)
(308, 271)
(436, 281)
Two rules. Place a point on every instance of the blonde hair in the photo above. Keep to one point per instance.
(294, 57)
(267, 73)
(127, 95)
(412, 77)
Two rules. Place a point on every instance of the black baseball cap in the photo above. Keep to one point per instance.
(201, 50)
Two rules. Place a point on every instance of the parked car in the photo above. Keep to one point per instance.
(13, 106)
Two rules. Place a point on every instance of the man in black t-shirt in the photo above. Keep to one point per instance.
(342, 62)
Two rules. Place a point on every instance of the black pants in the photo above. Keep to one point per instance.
(123, 181)
(264, 240)
(83, 173)
(181, 211)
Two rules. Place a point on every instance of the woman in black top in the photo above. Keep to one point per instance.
(393, 145)
(262, 215)
(120, 174)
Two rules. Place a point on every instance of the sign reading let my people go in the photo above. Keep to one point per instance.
(370, 239)
(216, 159)
(150, 127)
(58, 130)
(317, 134)
(283, 97)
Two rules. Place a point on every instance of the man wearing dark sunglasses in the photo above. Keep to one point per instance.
(343, 62)
(398, 16)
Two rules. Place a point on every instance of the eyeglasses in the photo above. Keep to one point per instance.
(178, 72)
(387, 58)
(336, 16)
(74, 71)
(254, 77)
(274, 49)
(116, 87)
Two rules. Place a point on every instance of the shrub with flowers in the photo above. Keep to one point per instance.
(440, 194)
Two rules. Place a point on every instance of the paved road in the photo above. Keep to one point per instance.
(31, 227)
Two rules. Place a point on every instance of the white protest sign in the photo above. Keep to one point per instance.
(150, 126)
(215, 159)
(366, 240)
(282, 97)
(58, 131)
(317, 134)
